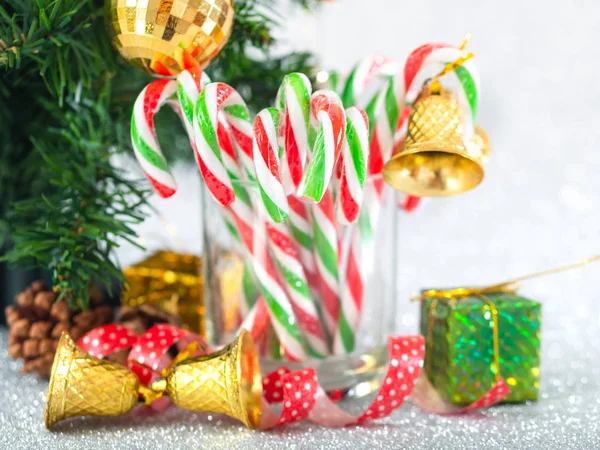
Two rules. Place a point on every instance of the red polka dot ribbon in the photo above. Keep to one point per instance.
(149, 352)
(302, 397)
(102, 341)
(150, 356)
(427, 398)
(297, 395)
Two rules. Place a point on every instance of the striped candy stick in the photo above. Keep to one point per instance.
(257, 319)
(327, 107)
(361, 77)
(300, 223)
(423, 63)
(190, 83)
(266, 164)
(370, 71)
(293, 101)
(266, 157)
(143, 135)
(214, 100)
(326, 253)
(429, 60)
(282, 315)
(355, 262)
(353, 163)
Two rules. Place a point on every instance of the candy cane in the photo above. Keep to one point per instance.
(359, 258)
(266, 164)
(355, 154)
(327, 108)
(390, 130)
(220, 99)
(293, 100)
(300, 223)
(143, 135)
(189, 85)
(266, 149)
(362, 75)
(326, 251)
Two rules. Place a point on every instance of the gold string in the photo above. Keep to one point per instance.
(435, 87)
(509, 286)
(465, 41)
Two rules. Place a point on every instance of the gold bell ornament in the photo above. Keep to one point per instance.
(162, 36)
(435, 162)
(227, 381)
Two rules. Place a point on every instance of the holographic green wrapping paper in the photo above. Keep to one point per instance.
(461, 348)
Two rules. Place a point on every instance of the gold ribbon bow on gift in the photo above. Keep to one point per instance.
(508, 287)
(227, 381)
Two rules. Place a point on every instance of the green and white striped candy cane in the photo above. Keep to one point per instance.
(219, 99)
(279, 236)
(327, 107)
(143, 137)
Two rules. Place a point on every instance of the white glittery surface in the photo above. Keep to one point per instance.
(539, 207)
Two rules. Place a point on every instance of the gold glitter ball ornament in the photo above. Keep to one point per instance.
(163, 37)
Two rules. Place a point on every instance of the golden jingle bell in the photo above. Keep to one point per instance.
(227, 381)
(158, 35)
(434, 161)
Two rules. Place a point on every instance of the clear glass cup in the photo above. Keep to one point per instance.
(355, 373)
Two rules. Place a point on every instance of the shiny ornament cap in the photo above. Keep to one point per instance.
(162, 37)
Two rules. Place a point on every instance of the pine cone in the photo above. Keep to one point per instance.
(37, 320)
(143, 317)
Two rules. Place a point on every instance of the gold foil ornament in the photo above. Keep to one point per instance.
(170, 281)
(227, 381)
(434, 161)
(162, 37)
(174, 283)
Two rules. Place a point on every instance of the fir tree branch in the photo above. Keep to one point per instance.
(87, 204)
(67, 99)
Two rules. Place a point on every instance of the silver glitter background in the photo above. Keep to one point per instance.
(539, 207)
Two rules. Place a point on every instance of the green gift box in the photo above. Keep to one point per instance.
(460, 355)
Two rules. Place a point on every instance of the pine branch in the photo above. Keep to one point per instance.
(68, 100)
(87, 206)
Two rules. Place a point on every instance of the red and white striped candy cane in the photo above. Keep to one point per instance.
(391, 123)
(293, 100)
(327, 108)
(220, 99)
(355, 154)
(143, 136)
(216, 99)
(281, 242)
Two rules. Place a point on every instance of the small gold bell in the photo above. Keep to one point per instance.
(82, 385)
(435, 162)
(228, 382)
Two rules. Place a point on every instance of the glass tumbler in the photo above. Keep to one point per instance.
(365, 289)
